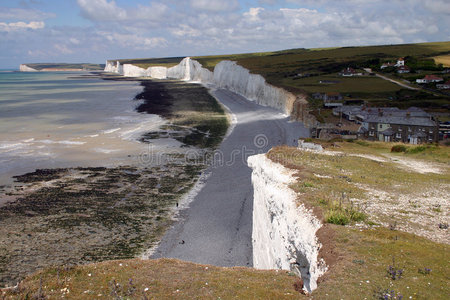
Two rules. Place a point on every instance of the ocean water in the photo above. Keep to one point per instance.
(60, 119)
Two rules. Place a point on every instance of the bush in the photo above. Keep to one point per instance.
(362, 143)
(337, 217)
(343, 215)
(398, 148)
(416, 149)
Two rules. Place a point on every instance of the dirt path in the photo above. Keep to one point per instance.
(397, 82)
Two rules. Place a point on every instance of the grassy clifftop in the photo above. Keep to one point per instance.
(307, 71)
(381, 255)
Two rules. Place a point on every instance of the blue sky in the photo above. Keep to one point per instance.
(96, 30)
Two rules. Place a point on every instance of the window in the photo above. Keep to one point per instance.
(398, 135)
(400, 130)
(371, 133)
(409, 129)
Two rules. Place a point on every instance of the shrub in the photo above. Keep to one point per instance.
(416, 149)
(362, 143)
(398, 148)
(340, 214)
(337, 217)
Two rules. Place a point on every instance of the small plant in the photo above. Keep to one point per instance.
(388, 295)
(424, 271)
(298, 286)
(436, 208)
(323, 202)
(393, 272)
(398, 148)
(337, 217)
(307, 184)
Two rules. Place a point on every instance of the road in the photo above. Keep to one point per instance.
(217, 227)
(397, 82)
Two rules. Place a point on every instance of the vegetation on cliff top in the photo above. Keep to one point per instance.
(373, 260)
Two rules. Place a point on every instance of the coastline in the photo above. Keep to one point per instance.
(142, 199)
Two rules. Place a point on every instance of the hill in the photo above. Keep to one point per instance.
(66, 67)
(308, 71)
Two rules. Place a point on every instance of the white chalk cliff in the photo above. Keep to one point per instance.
(227, 74)
(284, 233)
(25, 68)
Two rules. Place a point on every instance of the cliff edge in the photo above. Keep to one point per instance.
(284, 233)
(227, 75)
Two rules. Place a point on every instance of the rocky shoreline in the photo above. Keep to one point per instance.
(87, 214)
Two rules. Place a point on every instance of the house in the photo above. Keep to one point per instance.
(429, 79)
(348, 72)
(387, 65)
(390, 124)
(403, 69)
(329, 99)
(332, 100)
(400, 62)
(331, 96)
(443, 86)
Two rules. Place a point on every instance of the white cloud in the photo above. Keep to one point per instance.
(101, 10)
(62, 49)
(16, 26)
(74, 41)
(438, 6)
(104, 10)
(8, 13)
(215, 5)
(253, 13)
(134, 41)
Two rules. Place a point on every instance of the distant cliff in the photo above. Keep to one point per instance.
(227, 75)
(25, 68)
(59, 67)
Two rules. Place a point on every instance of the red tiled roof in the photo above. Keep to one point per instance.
(432, 77)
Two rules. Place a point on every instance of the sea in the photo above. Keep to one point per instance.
(68, 119)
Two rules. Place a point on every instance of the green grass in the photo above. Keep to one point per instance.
(360, 272)
(346, 85)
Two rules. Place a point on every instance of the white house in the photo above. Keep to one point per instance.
(400, 62)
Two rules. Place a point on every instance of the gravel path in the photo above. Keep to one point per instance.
(397, 82)
(217, 227)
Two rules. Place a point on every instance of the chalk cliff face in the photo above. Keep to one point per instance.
(25, 68)
(227, 74)
(284, 234)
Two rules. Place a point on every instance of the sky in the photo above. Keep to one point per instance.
(96, 30)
